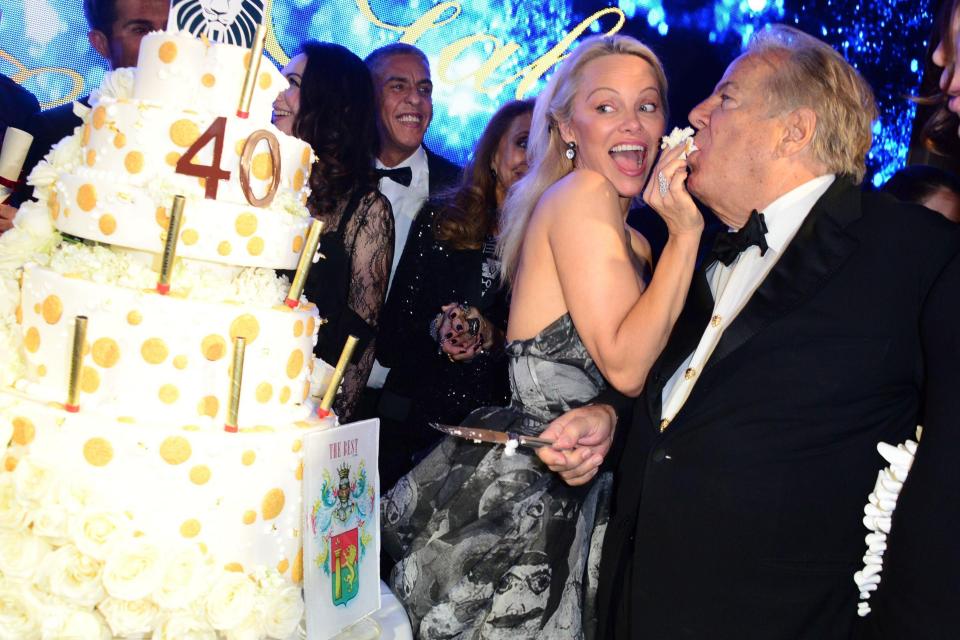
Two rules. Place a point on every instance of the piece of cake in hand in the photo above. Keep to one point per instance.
(677, 137)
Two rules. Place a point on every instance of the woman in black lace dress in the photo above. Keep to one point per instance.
(330, 104)
(450, 276)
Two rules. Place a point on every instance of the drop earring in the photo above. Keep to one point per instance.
(571, 151)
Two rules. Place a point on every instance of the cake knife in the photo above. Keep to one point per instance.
(489, 435)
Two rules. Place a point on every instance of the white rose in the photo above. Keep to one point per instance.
(74, 495)
(21, 553)
(19, 612)
(115, 84)
(33, 480)
(133, 569)
(250, 628)
(185, 579)
(72, 575)
(230, 601)
(282, 611)
(50, 521)
(96, 531)
(13, 515)
(128, 617)
(64, 622)
(35, 220)
(183, 626)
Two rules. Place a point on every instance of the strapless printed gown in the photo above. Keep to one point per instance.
(495, 546)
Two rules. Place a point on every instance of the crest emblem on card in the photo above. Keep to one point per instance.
(345, 556)
(229, 21)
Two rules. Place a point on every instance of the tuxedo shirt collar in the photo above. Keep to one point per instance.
(417, 163)
(784, 215)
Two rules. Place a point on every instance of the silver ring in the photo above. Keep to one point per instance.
(663, 184)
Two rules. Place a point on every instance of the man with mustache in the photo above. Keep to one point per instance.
(816, 333)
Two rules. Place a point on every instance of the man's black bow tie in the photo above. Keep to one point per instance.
(400, 175)
(727, 246)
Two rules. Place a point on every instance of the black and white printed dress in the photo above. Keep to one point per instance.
(495, 546)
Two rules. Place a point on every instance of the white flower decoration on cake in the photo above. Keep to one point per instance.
(878, 514)
(677, 137)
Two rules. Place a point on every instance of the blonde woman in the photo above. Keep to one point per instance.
(492, 545)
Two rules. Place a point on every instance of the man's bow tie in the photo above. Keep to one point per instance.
(727, 246)
(400, 175)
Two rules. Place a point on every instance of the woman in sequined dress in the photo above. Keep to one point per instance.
(330, 104)
(494, 545)
(449, 276)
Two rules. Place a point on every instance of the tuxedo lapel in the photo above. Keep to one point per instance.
(819, 248)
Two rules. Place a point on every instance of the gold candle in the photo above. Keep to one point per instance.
(236, 379)
(250, 81)
(303, 265)
(324, 409)
(170, 246)
(76, 363)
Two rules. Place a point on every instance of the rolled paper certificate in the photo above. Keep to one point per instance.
(324, 409)
(303, 265)
(76, 363)
(236, 379)
(250, 81)
(170, 246)
(16, 144)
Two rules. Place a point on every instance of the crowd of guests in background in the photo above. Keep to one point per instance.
(413, 269)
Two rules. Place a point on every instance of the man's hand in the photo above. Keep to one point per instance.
(583, 437)
(7, 214)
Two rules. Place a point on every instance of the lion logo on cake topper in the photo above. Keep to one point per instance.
(229, 21)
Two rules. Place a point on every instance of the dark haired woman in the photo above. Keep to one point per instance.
(330, 104)
(444, 322)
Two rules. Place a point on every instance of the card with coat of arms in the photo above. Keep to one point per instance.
(341, 506)
(230, 21)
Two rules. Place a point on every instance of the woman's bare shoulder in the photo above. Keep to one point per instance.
(579, 187)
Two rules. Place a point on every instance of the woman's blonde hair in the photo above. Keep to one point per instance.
(545, 147)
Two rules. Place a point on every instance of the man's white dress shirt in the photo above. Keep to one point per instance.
(732, 286)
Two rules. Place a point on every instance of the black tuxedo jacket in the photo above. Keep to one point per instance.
(443, 174)
(743, 519)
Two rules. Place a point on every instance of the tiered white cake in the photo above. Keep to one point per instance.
(139, 514)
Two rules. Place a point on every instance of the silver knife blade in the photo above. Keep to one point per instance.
(489, 435)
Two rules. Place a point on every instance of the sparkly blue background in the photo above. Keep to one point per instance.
(41, 41)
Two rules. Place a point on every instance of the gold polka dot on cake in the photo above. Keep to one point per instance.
(98, 451)
(107, 224)
(306, 156)
(297, 244)
(240, 144)
(86, 197)
(106, 352)
(213, 347)
(262, 166)
(189, 236)
(10, 463)
(31, 340)
(208, 406)
(248, 458)
(224, 248)
(283, 565)
(168, 393)
(249, 517)
(99, 117)
(167, 52)
(154, 350)
(126, 419)
(172, 158)
(23, 431)
(264, 392)
(91, 157)
(294, 363)
(208, 80)
(85, 137)
(52, 309)
(120, 140)
(298, 179)
(133, 162)
(54, 204)
(175, 450)
(180, 361)
(89, 380)
(42, 370)
(255, 246)
(134, 317)
(184, 132)
(265, 81)
(245, 326)
(284, 395)
(246, 59)
(190, 528)
(296, 446)
(272, 504)
(200, 474)
(235, 567)
(246, 224)
(163, 220)
(298, 328)
(311, 325)
(299, 472)
(297, 571)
